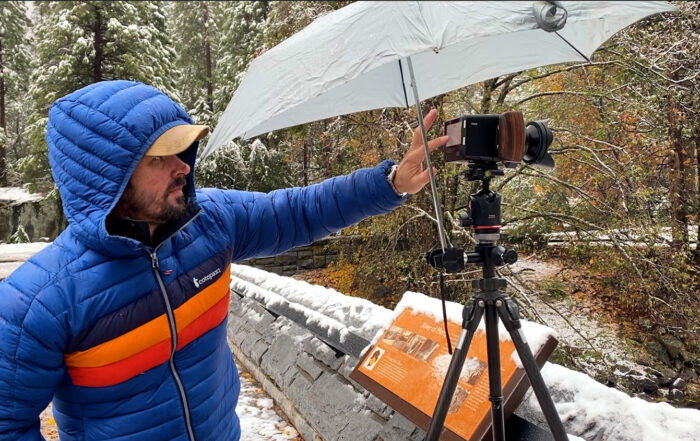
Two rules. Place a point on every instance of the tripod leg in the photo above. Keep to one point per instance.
(510, 315)
(498, 427)
(472, 316)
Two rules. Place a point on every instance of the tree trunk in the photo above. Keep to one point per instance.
(489, 87)
(3, 124)
(305, 169)
(207, 57)
(678, 182)
(98, 45)
(695, 142)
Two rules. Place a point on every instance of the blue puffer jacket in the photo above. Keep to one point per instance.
(129, 340)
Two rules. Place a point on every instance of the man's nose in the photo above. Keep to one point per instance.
(179, 167)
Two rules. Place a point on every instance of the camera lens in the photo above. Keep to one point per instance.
(538, 138)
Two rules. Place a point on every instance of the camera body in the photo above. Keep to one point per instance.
(498, 138)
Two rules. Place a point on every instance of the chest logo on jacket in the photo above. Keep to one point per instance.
(205, 279)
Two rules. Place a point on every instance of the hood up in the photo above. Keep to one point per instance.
(96, 136)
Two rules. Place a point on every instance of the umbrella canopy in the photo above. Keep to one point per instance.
(354, 59)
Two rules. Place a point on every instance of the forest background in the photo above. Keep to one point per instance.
(624, 197)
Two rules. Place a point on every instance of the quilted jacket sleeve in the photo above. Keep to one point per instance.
(31, 354)
(262, 224)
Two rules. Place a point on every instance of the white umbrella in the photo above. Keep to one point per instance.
(371, 55)
(356, 58)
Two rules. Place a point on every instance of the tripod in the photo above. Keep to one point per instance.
(492, 302)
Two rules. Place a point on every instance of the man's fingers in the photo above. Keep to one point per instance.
(437, 142)
(418, 154)
(428, 121)
(424, 177)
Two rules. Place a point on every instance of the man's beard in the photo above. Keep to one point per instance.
(139, 206)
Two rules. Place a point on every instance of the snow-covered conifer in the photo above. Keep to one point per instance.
(14, 69)
(79, 43)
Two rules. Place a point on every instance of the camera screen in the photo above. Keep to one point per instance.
(454, 131)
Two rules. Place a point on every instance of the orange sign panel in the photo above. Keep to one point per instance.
(407, 366)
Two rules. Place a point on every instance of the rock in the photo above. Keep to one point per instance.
(658, 351)
(672, 344)
(643, 384)
(665, 381)
(680, 384)
(649, 386)
(319, 261)
(688, 374)
(305, 263)
(693, 395)
(675, 394)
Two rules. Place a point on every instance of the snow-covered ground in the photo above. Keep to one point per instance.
(13, 255)
(17, 195)
(576, 325)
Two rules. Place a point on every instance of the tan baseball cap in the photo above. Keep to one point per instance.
(177, 139)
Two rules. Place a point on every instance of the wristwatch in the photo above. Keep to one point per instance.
(390, 178)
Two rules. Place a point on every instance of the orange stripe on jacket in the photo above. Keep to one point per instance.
(128, 368)
(153, 332)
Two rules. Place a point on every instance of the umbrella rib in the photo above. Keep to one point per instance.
(572, 46)
(403, 84)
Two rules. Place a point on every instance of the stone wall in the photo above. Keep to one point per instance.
(309, 379)
(317, 255)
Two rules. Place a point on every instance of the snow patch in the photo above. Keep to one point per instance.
(594, 411)
(17, 195)
(259, 421)
(325, 307)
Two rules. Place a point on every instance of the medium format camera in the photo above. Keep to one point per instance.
(494, 138)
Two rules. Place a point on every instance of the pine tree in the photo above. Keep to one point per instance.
(215, 43)
(80, 43)
(195, 33)
(14, 64)
(249, 166)
(242, 37)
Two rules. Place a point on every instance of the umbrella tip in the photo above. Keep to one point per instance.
(550, 15)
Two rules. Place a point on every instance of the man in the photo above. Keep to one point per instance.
(122, 320)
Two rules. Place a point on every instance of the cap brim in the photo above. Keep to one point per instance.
(177, 139)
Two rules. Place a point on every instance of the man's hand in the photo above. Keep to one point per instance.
(411, 175)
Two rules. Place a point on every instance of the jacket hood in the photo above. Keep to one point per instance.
(96, 136)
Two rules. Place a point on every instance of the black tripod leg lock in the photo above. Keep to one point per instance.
(471, 315)
(510, 313)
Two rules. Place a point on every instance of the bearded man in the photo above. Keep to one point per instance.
(122, 320)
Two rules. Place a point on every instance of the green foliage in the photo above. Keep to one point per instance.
(553, 287)
(14, 74)
(79, 43)
(19, 236)
(242, 38)
(250, 166)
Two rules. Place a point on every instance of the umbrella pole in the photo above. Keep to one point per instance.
(433, 188)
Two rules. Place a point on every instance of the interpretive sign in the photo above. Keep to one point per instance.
(408, 364)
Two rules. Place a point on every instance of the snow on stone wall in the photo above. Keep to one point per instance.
(309, 379)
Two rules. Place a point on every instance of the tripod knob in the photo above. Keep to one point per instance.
(465, 220)
(510, 256)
